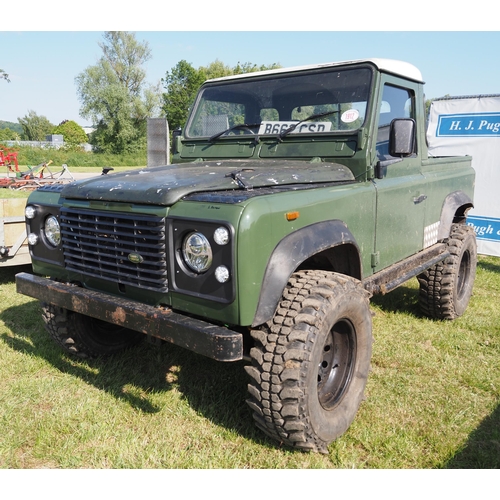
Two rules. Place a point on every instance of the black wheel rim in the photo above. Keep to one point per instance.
(336, 366)
(463, 274)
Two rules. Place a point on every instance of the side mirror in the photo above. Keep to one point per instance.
(176, 134)
(402, 137)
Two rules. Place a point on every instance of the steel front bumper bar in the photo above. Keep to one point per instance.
(216, 342)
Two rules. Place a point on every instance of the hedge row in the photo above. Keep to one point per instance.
(34, 156)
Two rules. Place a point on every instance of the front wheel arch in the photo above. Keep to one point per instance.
(330, 242)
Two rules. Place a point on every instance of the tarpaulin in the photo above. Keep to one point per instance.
(471, 126)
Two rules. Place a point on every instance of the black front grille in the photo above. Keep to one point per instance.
(125, 248)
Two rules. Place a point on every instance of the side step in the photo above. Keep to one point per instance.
(386, 280)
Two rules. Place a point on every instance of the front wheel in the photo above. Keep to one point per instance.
(311, 361)
(446, 288)
(86, 337)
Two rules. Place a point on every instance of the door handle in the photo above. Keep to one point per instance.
(419, 199)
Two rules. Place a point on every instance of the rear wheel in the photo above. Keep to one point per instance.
(84, 336)
(446, 288)
(311, 362)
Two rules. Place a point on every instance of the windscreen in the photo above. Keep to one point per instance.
(315, 102)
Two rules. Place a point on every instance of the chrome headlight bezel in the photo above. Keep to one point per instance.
(52, 231)
(197, 252)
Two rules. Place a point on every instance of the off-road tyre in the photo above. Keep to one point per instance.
(86, 337)
(446, 288)
(310, 363)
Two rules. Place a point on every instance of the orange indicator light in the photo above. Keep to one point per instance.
(292, 215)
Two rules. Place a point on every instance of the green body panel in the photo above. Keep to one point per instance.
(445, 176)
(233, 149)
(237, 148)
(163, 186)
(399, 219)
(303, 149)
(263, 225)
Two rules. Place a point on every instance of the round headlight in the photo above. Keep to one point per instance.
(197, 252)
(52, 230)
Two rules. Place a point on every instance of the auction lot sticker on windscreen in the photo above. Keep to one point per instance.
(279, 127)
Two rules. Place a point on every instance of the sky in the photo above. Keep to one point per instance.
(42, 65)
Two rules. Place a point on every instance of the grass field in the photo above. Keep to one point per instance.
(432, 397)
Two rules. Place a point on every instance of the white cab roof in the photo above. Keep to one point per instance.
(400, 68)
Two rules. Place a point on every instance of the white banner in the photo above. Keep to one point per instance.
(471, 126)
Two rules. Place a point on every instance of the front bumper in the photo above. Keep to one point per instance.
(213, 341)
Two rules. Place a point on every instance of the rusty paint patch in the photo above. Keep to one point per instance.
(78, 304)
(119, 315)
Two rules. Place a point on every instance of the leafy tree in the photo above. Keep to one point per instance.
(252, 68)
(15, 127)
(181, 84)
(6, 134)
(4, 75)
(427, 105)
(74, 135)
(35, 127)
(115, 95)
(183, 81)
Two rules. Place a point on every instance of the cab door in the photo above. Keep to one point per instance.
(401, 192)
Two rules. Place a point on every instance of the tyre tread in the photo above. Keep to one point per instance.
(436, 295)
(279, 412)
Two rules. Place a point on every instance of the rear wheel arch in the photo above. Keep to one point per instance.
(327, 245)
(454, 211)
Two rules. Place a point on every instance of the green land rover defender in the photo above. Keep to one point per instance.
(293, 196)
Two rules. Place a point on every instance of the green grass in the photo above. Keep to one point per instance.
(432, 397)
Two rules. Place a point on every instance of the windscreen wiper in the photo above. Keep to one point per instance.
(292, 127)
(234, 127)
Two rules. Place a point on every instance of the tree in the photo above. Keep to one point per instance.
(16, 127)
(181, 84)
(6, 134)
(74, 135)
(35, 128)
(183, 81)
(115, 95)
(4, 75)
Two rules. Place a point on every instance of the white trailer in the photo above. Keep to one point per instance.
(13, 245)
